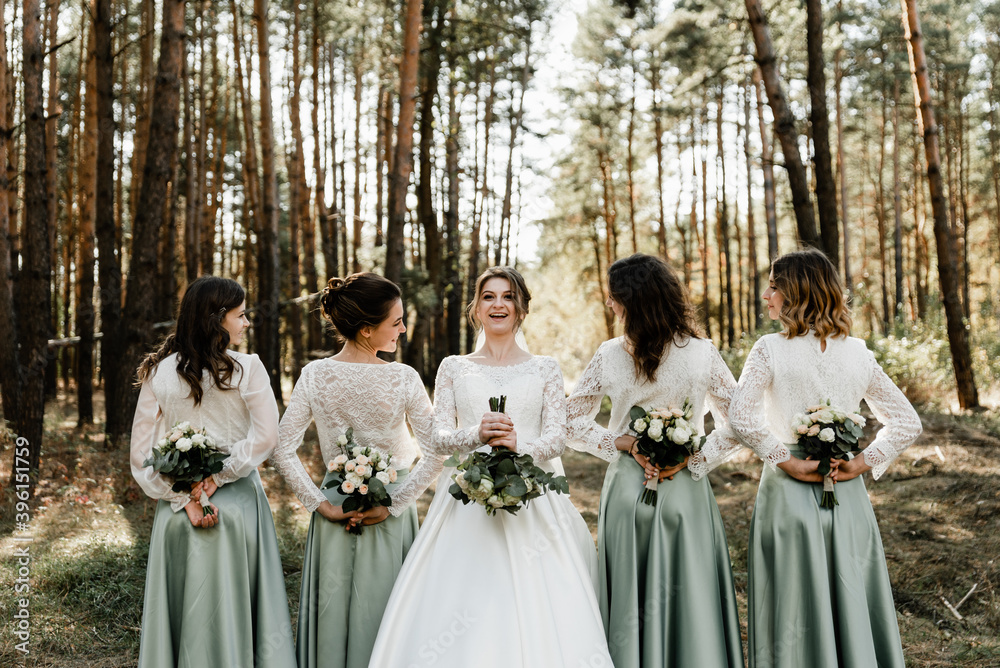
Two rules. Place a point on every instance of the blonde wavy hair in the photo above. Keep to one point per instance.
(813, 293)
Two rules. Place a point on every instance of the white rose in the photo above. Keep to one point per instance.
(639, 426)
(363, 488)
(392, 475)
(332, 466)
(827, 435)
(813, 430)
(656, 424)
(676, 412)
(355, 478)
(802, 429)
(681, 436)
(163, 442)
(184, 444)
(198, 439)
(856, 419)
(383, 477)
(495, 501)
(364, 471)
(342, 441)
(825, 416)
(340, 460)
(347, 487)
(357, 451)
(349, 466)
(363, 460)
(184, 426)
(175, 435)
(381, 466)
(655, 431)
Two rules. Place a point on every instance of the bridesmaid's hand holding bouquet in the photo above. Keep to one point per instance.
(187, 456)
(826, 433)
(666, 438)
(361, 475)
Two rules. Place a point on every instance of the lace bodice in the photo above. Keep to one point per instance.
(243, 421)
(692, 370)
(376, 400)
(536, 403)
(783, 377)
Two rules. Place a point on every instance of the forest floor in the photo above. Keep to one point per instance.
(938, 508)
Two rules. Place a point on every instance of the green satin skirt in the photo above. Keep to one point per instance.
(216, 597)
(665, 581)
(346, 582)
(819, 593)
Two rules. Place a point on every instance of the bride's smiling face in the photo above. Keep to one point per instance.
(497, 311)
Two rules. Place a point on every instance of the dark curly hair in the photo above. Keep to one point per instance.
(360, 300)
(199, 339)
(657, 310)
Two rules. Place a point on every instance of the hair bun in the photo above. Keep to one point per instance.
(335, 284)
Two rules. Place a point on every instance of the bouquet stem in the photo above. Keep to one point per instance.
(649, 494)
(206, 507)
(829, 499)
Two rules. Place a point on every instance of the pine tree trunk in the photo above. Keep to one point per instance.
(52, 173)
(269, 295)
(897, 201)
(767, 166)
(756, 319)
(838, 74)
(880, 217)
(722, 231)
(314, 326)
(826, 189)
(958, 341)
(298, 200)
(356, 218)
(10, 380)
(784, 124)
(133, 339)
(661, 231)
(192, 258)
(250, 166)
(706, 300)
(629, 159)
(477, 216)
(994, 135)
(515, 126)
(87, 175)
(453, 290)
(403, 161)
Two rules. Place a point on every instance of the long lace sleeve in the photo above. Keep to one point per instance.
(145, 432)
(583, 433)
(900, 422)
(722, 443)
(248, 454)
(292, 428)
(448, 438)
(420, 415)
(552, 439)
(746, 410)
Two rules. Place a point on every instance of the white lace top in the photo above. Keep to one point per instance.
(243, 421)
(536, 403)
(376, 400)
(783, 377)
(692, 370)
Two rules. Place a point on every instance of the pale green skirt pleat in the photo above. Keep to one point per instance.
(665, 581)
(216, 597)
(346, 582)
(819, 592)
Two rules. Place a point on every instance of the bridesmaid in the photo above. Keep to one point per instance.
(819, 592)
(666, 585)
(347, 578)
(215, 591)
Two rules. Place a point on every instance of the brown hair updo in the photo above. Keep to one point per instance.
(360, 300)
(814, 295)
(199, 339)
(657, 310)
(518, 289)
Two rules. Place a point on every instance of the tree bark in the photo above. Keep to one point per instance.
(10, 372)
(356, 218)
(298, 200)
(453, 289)
(897, 202)
(756, 319)
(958, 341)
(767, 167)
(269, 295)
(722, 230)
(661, 231)
(314, 326)
(819, 117)
(87, 175)
(784, 124)
(515, 126)
(403, 161)
(841, 171)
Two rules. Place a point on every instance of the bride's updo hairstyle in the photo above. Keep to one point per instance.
(358, 301)
(199, 339)
(813, 293)
(518, 289)
(657, 310)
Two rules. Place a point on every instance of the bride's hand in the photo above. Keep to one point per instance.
(507, 440)
(494, 425)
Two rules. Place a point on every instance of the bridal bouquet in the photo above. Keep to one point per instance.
(501, 479)
(665, 438)
(826, 433)
(188, 456)
(362, 477)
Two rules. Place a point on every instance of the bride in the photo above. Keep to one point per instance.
(507, 590)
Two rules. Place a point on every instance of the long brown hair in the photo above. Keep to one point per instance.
(657, 310)
(360, 300)
(199, 339)
(813, 293)
(518, 290)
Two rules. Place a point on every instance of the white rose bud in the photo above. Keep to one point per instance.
(198, 439)
(381, 466)
(827, 435)
(460, 480)
(676, 412)
(347, 487)
(342, 441)
(495, 501)
(184, 444)
(813, 430)
(382, 477)
(357, 451)
(349, 466)
(363, 488)
(639, 426)
(681, 436)
(655, 432)
(363, 460)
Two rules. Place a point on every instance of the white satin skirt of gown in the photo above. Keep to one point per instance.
(495, 592)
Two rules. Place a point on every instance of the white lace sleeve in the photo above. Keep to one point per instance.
(421, 418)
(552, 439)
(448, 438)
(583, 433)
(900, 422)
(297, 418)
(145, 433)
(246, 455)
(722, 443)
(746, 409)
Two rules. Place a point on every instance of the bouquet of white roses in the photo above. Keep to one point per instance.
(501, 479)
(188, 456)
(665, 437)
(826, 433)
(361, 477)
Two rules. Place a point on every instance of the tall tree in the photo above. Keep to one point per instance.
(826, 190)
(958, 341)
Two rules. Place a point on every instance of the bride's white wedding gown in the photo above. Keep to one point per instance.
(504, 591)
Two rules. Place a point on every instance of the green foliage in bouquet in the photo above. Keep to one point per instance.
(826, 433)
(361, 475)
(665, 438)
(187, 456)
